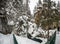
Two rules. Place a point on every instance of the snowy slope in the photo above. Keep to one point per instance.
(6, 39)
(22, 40)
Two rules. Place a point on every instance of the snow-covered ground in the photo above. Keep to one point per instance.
(23, 40)
(32, 30)
(6, 39)
(57, 38)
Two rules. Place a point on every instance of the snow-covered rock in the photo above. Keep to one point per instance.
(32, 27)
(23, 17)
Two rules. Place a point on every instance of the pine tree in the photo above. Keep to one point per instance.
(11, 9)
(48, 17)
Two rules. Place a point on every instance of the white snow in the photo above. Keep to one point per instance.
(43, 39)
(22, 40)
(57, 38)
(53, 7)
(24, 17)
(6, 39)
(51, 32)
(11, 22)
(32, 27)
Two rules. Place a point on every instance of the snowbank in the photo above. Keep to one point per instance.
(23, 40)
